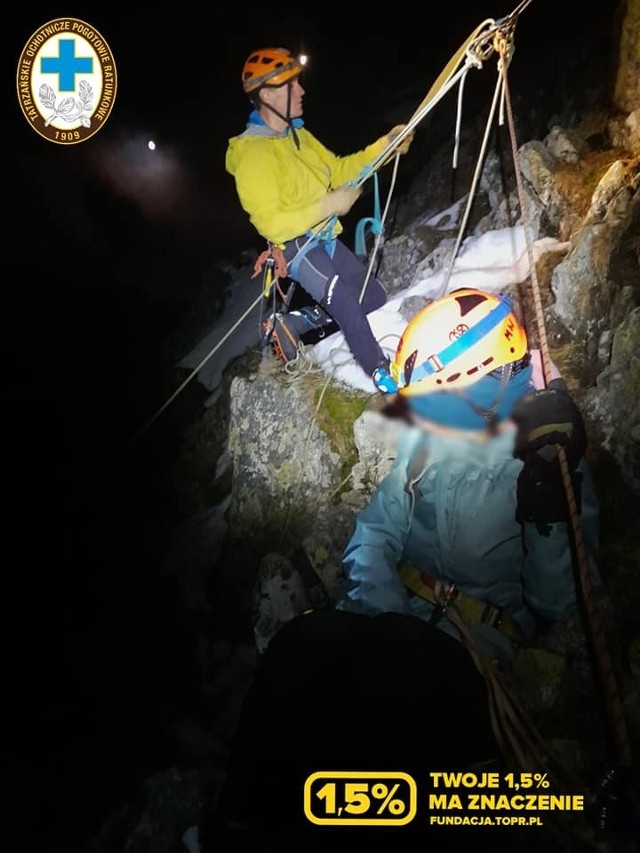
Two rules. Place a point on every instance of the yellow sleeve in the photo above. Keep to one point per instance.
(349, 167)
(257, 184)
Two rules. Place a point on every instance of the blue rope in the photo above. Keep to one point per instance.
(374, 222)
(325, 237)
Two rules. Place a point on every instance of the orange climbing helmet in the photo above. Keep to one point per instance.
(270, 66)
(456, 340)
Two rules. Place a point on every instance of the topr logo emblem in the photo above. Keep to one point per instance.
(66, 81)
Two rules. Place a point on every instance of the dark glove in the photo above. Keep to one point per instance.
(545, 419)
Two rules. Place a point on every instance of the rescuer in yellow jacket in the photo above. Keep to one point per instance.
(290, 184)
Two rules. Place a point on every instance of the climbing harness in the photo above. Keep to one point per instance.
(288, 329)
(441, 595)
(273, 266)
(520, 743)
(474, 51)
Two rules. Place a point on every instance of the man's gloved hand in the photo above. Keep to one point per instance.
(394, 133)
(545, 419)
(338, 202)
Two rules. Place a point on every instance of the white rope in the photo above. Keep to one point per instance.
(303, 364)
(458, 78)
(456, 145)
(343, 348)
(216, 347)
(196, 370)
(414, 122)
(519, 9)
(474, 182)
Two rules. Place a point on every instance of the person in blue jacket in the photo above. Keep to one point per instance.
(473, 515)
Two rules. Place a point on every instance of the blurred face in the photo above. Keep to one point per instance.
(463, 434)
(278, 98)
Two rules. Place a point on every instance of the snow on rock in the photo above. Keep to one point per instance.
(447, 218)
(492, 261)
(244, 291)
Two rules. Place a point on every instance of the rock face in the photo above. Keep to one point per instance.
(281, 458)
(375, 437)
(565, 145)
(613, 404)
(412, 255)
(307, 572)
(627, 91)
(597, 293)
(538, 166)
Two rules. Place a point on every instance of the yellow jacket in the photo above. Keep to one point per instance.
(280, 187)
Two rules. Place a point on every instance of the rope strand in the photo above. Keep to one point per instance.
(603, 663)
(474, 184)
(380, 234)
(195, 371)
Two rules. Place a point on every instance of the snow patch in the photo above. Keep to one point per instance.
(491, 261)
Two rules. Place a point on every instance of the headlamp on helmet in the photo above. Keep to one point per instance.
(271, 66)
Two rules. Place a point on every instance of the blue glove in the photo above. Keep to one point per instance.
(383, 380)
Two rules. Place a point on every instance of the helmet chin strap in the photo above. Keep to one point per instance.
(489, 415)
(287, 119)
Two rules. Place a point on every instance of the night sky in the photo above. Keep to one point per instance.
(106, 253)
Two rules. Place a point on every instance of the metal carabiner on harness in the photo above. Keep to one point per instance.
(267, 275)
(445, 594)
(272, 264)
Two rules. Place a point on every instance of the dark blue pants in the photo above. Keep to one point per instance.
(335, 283)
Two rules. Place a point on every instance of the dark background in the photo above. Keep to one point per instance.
(109, 250)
